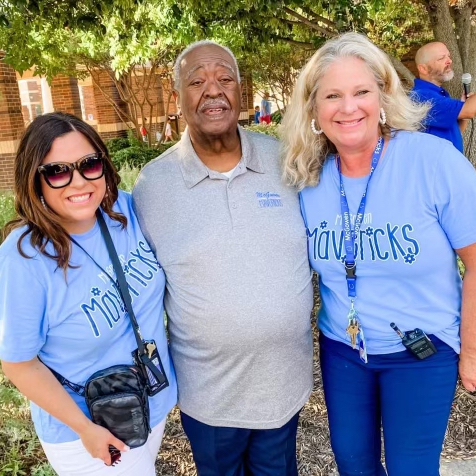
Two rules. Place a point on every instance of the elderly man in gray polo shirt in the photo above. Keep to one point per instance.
(230, 237)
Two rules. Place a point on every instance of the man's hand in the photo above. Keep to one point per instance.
(463, 96)
(97, 439)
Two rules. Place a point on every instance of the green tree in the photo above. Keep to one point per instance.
(275, 68)
(393, 25)
(131, 42)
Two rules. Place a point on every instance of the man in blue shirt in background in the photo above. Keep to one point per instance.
(447, 117)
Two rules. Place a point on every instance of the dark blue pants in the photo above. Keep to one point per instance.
(222, 451)
(410, 399)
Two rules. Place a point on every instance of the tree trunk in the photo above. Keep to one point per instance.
(462, 18)
(405, 74)
(443, 30)
(466, 34)
(453, 27)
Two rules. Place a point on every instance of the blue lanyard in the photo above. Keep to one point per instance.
(349, 234)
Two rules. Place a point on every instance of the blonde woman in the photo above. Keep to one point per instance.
(387, 209)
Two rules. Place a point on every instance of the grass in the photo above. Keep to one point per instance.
(128, 177)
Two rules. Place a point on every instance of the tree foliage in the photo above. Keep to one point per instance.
(55, 35)
(275, 68)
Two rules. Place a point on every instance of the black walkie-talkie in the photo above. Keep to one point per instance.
(416, 341)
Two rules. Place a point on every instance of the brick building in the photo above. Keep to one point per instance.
(22, 98)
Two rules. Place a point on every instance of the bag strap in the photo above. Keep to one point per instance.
(121, 280)
(126, 297)
(122, 286)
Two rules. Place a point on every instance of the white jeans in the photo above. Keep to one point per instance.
(72, 458)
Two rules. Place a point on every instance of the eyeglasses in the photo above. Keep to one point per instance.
(60, 174)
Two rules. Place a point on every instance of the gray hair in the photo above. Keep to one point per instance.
(195, 45)
(304, 152)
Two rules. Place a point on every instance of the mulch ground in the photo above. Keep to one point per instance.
(314, 452)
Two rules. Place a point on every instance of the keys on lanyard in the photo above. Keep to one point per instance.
(356, 333)
(353, 325)
(354, 328)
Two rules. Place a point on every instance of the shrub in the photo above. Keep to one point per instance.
(137, 156)
(133, 140)
(116, 144)
(6, 208)
(276, 117)
(271, 129)
(163, 147)
(133, 156)
(128, 177)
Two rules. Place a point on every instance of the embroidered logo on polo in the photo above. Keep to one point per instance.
(106, 304)
(269, 199)
(390, 241)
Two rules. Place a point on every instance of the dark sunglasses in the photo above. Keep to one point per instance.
(60, 174)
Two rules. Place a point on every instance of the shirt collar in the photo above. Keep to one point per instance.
(194, 170)
(422, 84)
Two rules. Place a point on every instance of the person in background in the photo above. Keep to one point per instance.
(381, 203)
(143, 131)
(257, 114)
(447, 117)
(168, 131)
(57, 305)
(232, 242)
(265, 109)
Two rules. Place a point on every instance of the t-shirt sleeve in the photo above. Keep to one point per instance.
(444, 112)
(455, 197)
(23, 324)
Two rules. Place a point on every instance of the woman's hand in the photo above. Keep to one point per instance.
(97, 439)
(38, 384)
(467, 371)
(467, 362)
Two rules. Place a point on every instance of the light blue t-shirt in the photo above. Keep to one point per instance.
(421, 205)
(78, 326)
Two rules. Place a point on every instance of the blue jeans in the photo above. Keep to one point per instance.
(410, 399)
(223, 451)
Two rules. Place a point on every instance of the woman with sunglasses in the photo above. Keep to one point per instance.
(59, 310)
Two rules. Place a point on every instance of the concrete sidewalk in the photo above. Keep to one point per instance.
(459, 468)
(453, 468)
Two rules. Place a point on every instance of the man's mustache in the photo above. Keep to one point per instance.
(214, 104)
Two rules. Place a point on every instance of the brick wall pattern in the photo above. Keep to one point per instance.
(65, 95)
(11, 123)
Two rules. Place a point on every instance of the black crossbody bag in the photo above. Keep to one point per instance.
(117, 397)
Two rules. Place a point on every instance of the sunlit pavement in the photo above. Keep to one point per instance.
(459, 468)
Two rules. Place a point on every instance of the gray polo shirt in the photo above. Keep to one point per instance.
(239, 293)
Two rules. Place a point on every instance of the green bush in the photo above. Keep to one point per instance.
(6, 208)
(276, 117)
(133, 156)
(116, 144)
(137, 156)
(133, 140)
(271, 129)
(128, 178)
(163, 147)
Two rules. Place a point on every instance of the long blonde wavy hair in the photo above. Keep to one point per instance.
(304, 152)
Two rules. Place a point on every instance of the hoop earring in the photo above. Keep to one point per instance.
(383, 116)
(318, 132)
(42, 200)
